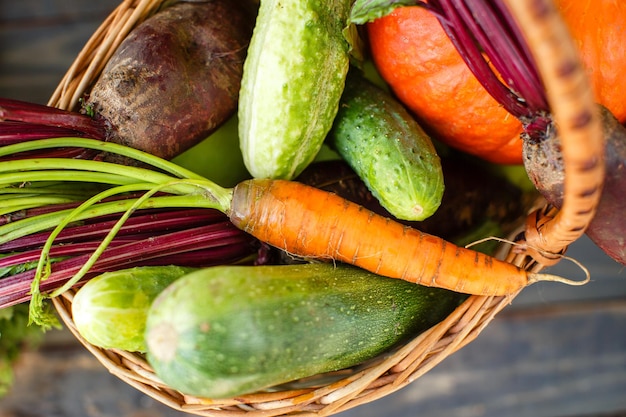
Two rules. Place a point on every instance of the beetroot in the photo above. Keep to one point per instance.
(175, 79)
(171, 83)
(544, 164)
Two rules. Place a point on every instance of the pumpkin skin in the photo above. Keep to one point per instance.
(423, 69)
(415, 57)
(599, 31)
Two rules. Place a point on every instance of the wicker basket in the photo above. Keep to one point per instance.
(548, 232)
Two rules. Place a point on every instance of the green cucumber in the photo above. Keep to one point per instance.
(293, 78)
(388, 150)
(110, 310)
(230, 330)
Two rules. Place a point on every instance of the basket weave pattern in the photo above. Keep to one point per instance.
(547, 232)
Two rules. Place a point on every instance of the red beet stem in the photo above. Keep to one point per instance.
(49, 117)
(139, 225)
(487, 38)
(208, 245)
(16, 132)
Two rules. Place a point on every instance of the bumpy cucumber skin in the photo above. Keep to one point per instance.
(388, 150)
(110, 310)
(293, 78)
(227, 331)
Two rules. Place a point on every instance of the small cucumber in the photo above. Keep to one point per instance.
(229, 330)
(388, 150)
(110, 310)
(293, 78)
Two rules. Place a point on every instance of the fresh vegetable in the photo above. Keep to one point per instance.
(597, 27)
(316, 224)
(425, 71)
(176, 77)
(162, 236)
(172, 81)
(544, 162)
(292, 81)
(110, 310)
(422, 66)
(226, 331)
(388, 149)
(294, 217)
(475, 196)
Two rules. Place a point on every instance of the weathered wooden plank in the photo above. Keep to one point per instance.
(61, 11)
(568, 360)
(608, 278)
(39, 41)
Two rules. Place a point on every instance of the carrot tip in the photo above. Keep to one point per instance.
(536, 277)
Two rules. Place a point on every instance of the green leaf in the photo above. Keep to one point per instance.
(15, 336)
(7, 271)
(357, 45)
(11, 270)
(364, 11)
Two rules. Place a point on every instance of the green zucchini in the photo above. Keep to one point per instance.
(229, 330)
(293, 78)
(110, 310)
(388, 150)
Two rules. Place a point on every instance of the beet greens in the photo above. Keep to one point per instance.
(64, 220)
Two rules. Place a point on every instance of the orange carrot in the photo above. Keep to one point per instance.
(313, 223)
(297, 218)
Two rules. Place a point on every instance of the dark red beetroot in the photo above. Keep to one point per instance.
(171, 83)
(544, 164)
(175, 79)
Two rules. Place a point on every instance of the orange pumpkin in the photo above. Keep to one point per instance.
(599, 30)
(416, 58)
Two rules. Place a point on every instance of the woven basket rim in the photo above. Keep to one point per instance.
(348, 388)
